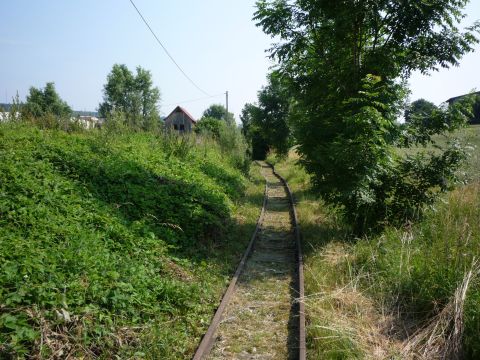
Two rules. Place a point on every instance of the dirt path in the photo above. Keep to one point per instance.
(260, 320)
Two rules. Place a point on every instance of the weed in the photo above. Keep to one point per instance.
(114, 243)
(409, 292)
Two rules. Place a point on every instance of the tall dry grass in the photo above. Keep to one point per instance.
(408, 293)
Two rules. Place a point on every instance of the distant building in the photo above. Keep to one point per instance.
(476, 107)
(180, 120)
(6, 116)
(90, 122)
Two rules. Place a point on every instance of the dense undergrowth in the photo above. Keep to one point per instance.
(116, 244)
(399, 294)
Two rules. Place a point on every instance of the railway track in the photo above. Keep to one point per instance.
(261, 315)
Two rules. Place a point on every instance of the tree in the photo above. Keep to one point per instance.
(133, 95)
(266, 125)
(210, 126)
(274, 103)
(42, 102)
(346, 65)
(251, 118)
(476, 111)
(419, 110)
(218, 111)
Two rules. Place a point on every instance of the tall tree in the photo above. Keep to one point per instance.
(419, 110)
(274, 103)
(46, 101)
(347, 63)
(265, 125)
(252, 129)
(219, 112)
(133, 95)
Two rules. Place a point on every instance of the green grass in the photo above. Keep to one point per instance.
(366, 297)
(418, 270)
(469, 137)
(116, 244)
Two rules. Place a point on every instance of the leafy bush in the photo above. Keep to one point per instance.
(132, 95)
(107, 236)
(265, 125)
(219, 112)
(404, 277)
(419, 110)
(46, 102)
(209, 126)
(348, 86)
(228, 138)
(419, 269)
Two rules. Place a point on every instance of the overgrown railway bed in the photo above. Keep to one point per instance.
(261, 315)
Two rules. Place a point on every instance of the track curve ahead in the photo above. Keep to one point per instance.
(261, 315)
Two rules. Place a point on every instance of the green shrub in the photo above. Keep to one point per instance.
(404, 275)
(418, 270)
(209, 126)
(110, 238)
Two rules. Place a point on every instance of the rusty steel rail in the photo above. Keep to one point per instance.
(208, 339)
(302, 355)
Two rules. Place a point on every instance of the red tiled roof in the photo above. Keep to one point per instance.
(181, 109)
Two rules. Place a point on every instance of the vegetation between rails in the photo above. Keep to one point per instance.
(259, 321)
(115, 243)
(392, 295)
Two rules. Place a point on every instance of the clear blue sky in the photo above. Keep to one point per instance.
(75, 44)
(447, 83)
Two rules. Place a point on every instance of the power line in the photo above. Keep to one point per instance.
(166, 51)
(194, 100)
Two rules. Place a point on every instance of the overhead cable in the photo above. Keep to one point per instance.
(194, 100)
(166, 51)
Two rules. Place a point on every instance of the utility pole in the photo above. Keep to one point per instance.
(226, 107)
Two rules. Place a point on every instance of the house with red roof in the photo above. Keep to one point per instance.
(180, 120)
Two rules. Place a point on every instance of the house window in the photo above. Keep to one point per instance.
(175, 126)
(182, 127)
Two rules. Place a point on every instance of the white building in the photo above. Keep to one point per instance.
(6, 116)
(90, 122)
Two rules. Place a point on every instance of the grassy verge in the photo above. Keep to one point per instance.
(407, 293)
(116, 244)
